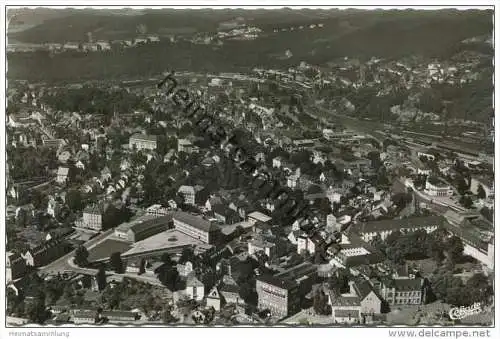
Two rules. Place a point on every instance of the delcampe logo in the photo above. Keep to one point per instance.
(463, 312)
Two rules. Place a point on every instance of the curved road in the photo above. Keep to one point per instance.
(61, 264)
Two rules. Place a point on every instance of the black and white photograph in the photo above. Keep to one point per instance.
(233, 166)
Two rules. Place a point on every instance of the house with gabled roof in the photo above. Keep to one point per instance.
(370, 300)
(45, 253)
(214, 299)
(194, 288)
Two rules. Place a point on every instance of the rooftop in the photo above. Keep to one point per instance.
(124, 227)
(259, 216)
(62, 171)
(143, 137)
(396, 224)
(278, 282)
(404, 285)
(170, 239)
(149, 224)
(184, 142)
(437, 182)
(195, 221)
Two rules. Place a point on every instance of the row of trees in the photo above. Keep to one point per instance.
(399, 247)
(451, 289)
(93, 100)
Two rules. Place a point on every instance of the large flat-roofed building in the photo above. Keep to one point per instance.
(195, 226)
(477, 235)
(143, 141)
(368, 230)
(280, 296)
(146, 229)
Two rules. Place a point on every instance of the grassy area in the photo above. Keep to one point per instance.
(106, 248)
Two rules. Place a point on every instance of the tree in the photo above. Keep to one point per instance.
(480, 288)
(81, 256)
(462, 186)
(454, 248)
(37, 312)
(22, 218)
(401, 200)
(169, 276)
(101, 278)
(142, 266)
(320, 303)
(116, 262)
(481, 194)
(74, 200)
(208, 279)
(166, 259)
(340, 281)
(186, 255)
(487, 213)
(247, 293)
(466, 201)
(378, 243)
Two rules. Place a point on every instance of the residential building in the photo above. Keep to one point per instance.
(259, 244)
(84, 317)
(370, 300)
(15, 266)
(194, 288)
(308, 244)
(53, 143)
(191, 194)
(346, 308)
(45, 253)
(185, 269)
(225, 214)
(184, 145)
(255, 217)
(143, 141)
(214, 299)
(157, 210)
(62, 175)
(119, 316)
(277, 162)
(195, 226)
(280, 296)
(93, 216)
(231, 294)
(368, 230)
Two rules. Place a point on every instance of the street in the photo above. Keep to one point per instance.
(61, 264)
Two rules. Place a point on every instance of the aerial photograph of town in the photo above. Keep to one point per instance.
(249, 167)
